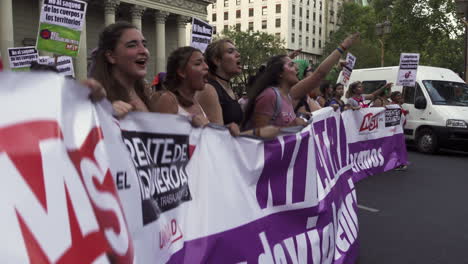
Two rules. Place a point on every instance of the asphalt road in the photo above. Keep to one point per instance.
(422, 212)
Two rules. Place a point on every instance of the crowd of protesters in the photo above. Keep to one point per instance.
(284, 92)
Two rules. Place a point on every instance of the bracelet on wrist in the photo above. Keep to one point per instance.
(342, 47)
(340, 50)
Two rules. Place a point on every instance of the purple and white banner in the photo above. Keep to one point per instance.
(239, 200)
(375, 140)
(82, 187)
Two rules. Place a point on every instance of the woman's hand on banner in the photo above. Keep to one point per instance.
(268, 132)
(299, 122)
(199, 120)
(97, 91)
(121, 108)
(233, 129)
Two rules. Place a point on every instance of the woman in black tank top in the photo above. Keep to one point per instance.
(218, 99)
(231, 109)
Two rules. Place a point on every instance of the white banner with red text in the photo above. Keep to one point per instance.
(82, 187)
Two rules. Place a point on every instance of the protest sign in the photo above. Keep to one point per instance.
(201, 34)
(46, 60)
(375, 140)
(65, 66)
(408, 69)
(348, 67)
(60, 26)
(21, 58)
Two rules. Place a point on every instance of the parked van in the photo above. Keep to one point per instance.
(437, 105)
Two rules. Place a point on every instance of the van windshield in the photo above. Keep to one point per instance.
(447, 93)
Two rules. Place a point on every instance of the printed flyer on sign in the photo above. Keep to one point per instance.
(60, 26)
(160, 160)
(408, 69)
(21, 58)
(201, 34)
(64, 64)
(348, 68)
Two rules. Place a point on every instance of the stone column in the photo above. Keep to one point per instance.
(6, 31)
(160, 18)
(81, 61)
(110, 6)
(181, 25)
(136, 13)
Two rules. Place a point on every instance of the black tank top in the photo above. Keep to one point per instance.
(232, 111)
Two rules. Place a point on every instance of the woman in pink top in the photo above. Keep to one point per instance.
(279, 78)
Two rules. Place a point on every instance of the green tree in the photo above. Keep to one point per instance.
(255, 48)
(428, 27)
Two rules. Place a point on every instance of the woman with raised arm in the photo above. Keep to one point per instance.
(277, 89)
(356, 96)
(120, 65)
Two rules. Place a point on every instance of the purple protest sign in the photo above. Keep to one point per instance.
(376, 156)
(375, 140)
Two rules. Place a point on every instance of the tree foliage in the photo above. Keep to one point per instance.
(428, 27)
(255, 48)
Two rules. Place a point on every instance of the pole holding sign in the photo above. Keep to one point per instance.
(408, 69)
(60, 26)
(202, 33)
(1, 63)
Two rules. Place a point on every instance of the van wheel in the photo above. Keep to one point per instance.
(427, 141)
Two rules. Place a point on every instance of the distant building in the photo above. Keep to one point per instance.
(305, 24)
(362, 2)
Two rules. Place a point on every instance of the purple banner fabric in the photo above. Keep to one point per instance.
(325, 231)
(376, 156)
(282, 237)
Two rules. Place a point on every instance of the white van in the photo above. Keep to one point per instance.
(438, 105)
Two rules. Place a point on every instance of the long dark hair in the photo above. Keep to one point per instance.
(101, 69)
(177, 61)
(267, 76)
(352, 89)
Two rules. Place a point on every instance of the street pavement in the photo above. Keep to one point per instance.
(416, 216)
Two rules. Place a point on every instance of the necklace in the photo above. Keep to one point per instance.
(226, 80)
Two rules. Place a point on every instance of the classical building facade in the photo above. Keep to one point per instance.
(305, 24)
(164, 23)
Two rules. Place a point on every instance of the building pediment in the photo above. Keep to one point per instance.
(190, 8)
